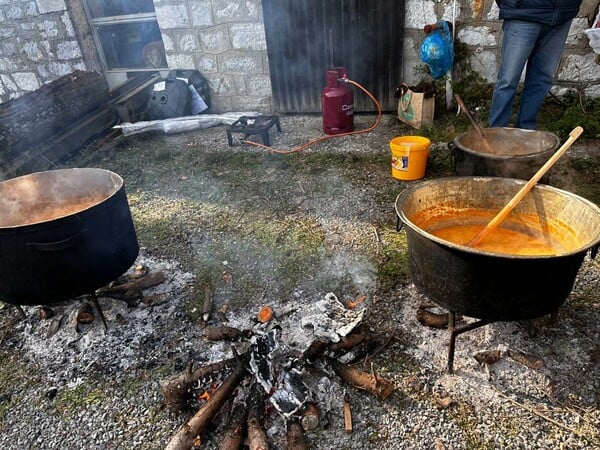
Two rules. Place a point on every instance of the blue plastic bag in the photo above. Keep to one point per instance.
(437, 50)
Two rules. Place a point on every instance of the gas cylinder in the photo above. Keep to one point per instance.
(337, 103)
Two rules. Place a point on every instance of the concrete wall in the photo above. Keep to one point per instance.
(40, 40)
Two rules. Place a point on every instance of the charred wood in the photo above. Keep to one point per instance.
(257, 436)
(310, 417)
(434, 320)
(348, 342)
(85, 313)
(188, 434)
(177, 389)
(315, 350)
(224, 333)
(369, 382)
(135, 286)
(235, 434)
(45, 313)
(294, 437)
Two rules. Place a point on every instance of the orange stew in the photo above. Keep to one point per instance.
(523, 234)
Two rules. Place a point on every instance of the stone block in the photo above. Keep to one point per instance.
(206, 63)
(240, 63)
(485, 63)
(258, 85)
(46, 6)
(26, 81)
(68, 50)
(170, 16)
(180, 61)
(248, 36)
(477, 36)
(245, 103)
(187, 42)
(201, 14)
(221, 84)
(418, 13)
(579, 68)
(48, 29)
(228, 11)
(214, 40)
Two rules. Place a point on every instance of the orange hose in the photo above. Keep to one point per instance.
(324, 138)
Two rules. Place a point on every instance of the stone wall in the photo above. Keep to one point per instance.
(40, 40)
(38, 44)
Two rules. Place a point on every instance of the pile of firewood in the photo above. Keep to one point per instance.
(240, 391)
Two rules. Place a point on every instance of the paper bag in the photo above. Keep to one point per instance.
(415, 108)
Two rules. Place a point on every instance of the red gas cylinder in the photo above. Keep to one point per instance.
(337, 102)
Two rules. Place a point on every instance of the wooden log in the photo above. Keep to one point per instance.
(85, 313)
(257, 436)
(294, 437)
(191, 431)
(45, 313)
(136, 285)
(177, 389)
(235, 434)
(348, 342)
(369, 382)
(224, 332)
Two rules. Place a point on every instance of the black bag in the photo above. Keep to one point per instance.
(199, 83)
(169, 98)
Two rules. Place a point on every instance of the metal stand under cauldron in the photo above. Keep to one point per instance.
(454, 332)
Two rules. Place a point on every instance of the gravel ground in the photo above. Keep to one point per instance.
(99, 389)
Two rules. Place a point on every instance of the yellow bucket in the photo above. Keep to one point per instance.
(409, 157)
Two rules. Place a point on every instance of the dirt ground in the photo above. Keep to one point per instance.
(272, 228)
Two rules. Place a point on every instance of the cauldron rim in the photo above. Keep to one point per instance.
(116, 179)
(501, 157)
(402, 198)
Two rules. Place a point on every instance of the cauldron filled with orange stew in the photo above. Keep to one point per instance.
(523, 269)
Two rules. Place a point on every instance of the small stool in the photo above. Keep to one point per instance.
(250, 125)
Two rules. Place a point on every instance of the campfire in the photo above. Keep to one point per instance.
(271, 381)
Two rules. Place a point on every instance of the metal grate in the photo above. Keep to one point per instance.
(306, 37)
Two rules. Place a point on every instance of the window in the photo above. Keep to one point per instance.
(126, 34)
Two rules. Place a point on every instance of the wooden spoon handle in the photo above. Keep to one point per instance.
(479, 130)
(526, 188)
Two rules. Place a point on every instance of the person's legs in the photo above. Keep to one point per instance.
(517, 44)
(541, 67)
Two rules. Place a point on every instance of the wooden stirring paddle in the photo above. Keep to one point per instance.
(479, 130)
(525, 189)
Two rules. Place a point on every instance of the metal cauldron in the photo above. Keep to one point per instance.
(494, 286)
(63, 233)
(517, 153)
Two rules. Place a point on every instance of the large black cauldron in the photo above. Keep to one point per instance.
(63, 233)
(493, 286)
(517, 153)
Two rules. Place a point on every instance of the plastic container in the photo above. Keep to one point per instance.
(409, 157)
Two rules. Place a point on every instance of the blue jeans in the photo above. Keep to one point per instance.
(540, 47)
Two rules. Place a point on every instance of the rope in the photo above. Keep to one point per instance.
(324, 138)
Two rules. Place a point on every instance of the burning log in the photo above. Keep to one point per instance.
(348, 342)
(257, 436)
(234, 435)
(135, 286)
(85, 313)
(295, 437)
(431, 319)
(372, 383)
(45, 313)
(177, 390)
(223, 333)
(310, 417)
(189, 433)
